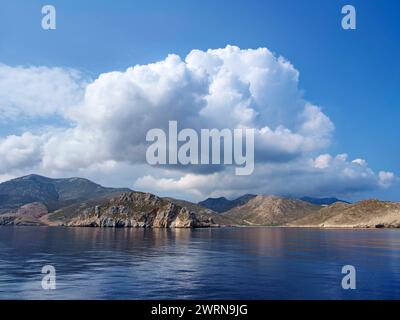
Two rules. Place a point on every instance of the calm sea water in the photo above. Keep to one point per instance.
(226, 263)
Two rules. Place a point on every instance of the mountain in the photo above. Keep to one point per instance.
(37, 200)
(53, 193)
(363, 214)
(192, 206)
(205, 212)
(222, 204)
(137, 209)
(322, 201)
(270, 210)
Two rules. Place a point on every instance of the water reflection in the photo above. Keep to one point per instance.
(226, 263)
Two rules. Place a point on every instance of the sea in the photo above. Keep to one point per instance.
(218, 263)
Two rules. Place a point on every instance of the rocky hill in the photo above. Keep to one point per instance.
(363, 214)
(271, 210)
(29, 214)
(53, 193)
(136, 209)
(37, 200)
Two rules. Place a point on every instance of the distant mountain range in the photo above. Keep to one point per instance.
(37, 200)
(222, 204)
(322, 201)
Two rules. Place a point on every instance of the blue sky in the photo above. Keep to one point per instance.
(353, 75)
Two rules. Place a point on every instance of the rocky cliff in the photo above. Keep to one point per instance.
(136, 209)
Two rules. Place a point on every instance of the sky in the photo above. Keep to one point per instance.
(68, 104)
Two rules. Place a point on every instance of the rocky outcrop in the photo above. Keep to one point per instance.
(139, 210)
(27, 215)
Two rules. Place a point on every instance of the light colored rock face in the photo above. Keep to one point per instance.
(139, 210)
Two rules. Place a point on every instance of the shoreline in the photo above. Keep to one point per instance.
(212, 227)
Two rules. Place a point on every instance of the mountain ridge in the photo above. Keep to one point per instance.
(38, 200)
(54, 193)
(222, 204)
(271, 210)
(362, 214)
(322, 201)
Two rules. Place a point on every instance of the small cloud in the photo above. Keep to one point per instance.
(323, 161)
(386, 178)
(342, 157)
(360, 162)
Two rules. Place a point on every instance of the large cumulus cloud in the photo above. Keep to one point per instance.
(223, 88)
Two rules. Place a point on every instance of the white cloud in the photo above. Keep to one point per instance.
(222, 88)
(20, 151)
(37, 91)
(320, 177)
(323, 161)
(360, 162)
(386, 178)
